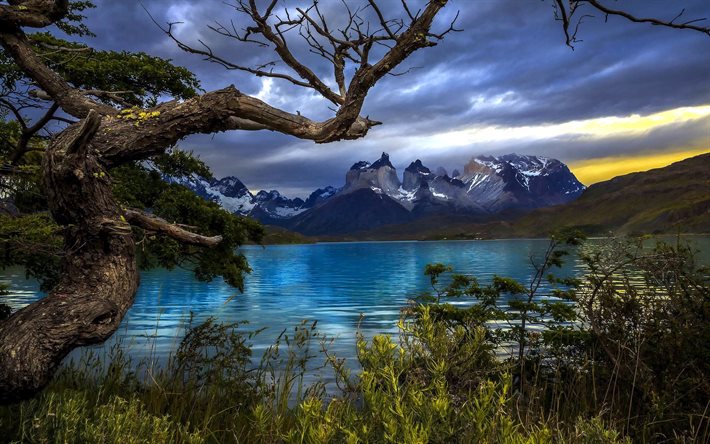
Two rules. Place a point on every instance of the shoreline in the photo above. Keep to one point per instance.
(529, 238)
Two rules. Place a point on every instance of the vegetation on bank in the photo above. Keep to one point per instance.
(619, 356)
(275, 235)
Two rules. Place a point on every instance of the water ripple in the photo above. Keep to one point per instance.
(332, 283)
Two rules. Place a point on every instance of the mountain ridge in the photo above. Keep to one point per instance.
(373, 194)
(668, 200)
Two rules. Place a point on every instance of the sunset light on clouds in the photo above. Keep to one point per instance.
(596, 170)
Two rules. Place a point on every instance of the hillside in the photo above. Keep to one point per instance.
(672, 199)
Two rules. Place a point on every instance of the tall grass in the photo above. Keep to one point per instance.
(428, 386)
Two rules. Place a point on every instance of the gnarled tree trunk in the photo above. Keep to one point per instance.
(99, 275)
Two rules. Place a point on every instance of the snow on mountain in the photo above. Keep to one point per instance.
(488, 185)
(519, 181)
(319, 196)
(266, 206)
(414, 175)
(379, 175)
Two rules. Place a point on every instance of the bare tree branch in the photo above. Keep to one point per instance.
(565, 11)
(155, 224)
(654, 21)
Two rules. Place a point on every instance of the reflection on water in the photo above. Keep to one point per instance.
(332, 283)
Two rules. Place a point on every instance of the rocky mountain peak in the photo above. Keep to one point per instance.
(264, 195)
(373, 195)
(362, 165)
(383, 161)
(522, 181)
(230, 186)
(415, 175)
(417, 167)
(319, 196)
(380, 176)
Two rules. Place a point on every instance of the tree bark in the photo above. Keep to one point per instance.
(99, 278)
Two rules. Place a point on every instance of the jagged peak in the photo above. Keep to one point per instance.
(361, 165)
(323, 192)
(268, 195)
(521, 163)
(417, 167)
(383, 161)
(228, 181)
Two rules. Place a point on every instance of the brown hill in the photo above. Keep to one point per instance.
(672, 199)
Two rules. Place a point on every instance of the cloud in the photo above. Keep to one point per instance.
(506, 82)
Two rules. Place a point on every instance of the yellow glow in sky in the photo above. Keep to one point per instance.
(603, 168)
(633, 125)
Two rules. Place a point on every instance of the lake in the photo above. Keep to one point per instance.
(333, 283)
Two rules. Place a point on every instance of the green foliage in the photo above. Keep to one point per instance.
(141, 185)
(524, 319)
(31, 239)
(139, 77)
(648, 311)
(179, 163)
(72, 22)
(629, 339)
(33, 242)
(70, 417)
(25, 186)
(406, 392)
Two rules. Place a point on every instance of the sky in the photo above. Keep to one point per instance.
(629, 97)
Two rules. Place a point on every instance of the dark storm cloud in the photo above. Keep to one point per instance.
(508, 68)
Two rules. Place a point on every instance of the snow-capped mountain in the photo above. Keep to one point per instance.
(487, 186)
(380, 176)
(515, 181)
(373, 195)
(265, 206)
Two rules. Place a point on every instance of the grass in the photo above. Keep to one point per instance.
(409, 390)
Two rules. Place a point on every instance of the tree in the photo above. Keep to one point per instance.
(99, 272)
(30, 237)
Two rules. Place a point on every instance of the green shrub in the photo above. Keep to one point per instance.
(70, 416)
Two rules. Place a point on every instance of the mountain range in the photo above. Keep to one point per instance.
(374, 196)
(669, 200)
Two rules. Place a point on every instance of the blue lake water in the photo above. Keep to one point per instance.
(333, 283)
